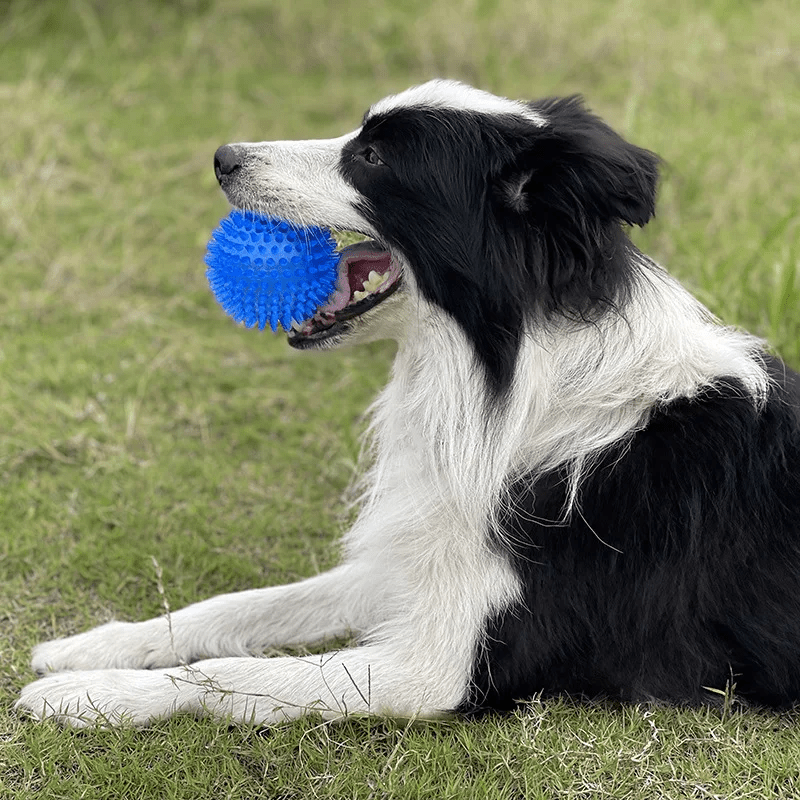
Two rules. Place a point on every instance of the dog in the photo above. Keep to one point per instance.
(580, 482)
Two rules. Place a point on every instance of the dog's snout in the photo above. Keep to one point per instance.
(227, 160)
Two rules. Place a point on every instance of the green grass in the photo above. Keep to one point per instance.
(137, 422)
(550, 750)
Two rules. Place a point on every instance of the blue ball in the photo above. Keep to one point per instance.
(263, 270)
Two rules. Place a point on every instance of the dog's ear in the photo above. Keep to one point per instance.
(577, 165)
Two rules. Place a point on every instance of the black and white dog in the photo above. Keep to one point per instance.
(580, 481)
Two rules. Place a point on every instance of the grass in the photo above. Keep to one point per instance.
(549, 750)
(138, 423)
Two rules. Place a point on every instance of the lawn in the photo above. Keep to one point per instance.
(143, 432)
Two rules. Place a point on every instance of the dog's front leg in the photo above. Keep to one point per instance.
(424, 635)
(335, 603)
(373, 679)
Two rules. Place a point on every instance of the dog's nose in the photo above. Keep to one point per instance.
(226, 161)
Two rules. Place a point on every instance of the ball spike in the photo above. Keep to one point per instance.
(264, 270)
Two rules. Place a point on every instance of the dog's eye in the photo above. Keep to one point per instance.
(371, 157)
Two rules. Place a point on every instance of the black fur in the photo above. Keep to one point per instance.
(679, 574)
(541, 206)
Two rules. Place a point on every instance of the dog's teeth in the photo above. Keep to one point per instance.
(374, 281)
(296, 326)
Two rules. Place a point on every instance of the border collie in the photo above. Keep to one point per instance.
(580, 481)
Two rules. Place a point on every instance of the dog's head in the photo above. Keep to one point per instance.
(494, 211)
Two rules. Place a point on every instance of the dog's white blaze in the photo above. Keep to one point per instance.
(458, 97)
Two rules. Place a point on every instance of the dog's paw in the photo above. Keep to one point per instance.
(104, 697)
(133, 645)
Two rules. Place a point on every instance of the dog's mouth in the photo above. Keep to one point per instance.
(367, 276)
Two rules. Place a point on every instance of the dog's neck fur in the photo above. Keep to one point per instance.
(579, 388)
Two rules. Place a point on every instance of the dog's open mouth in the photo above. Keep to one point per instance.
(367, 276)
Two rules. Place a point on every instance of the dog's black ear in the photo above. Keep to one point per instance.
(577, 165)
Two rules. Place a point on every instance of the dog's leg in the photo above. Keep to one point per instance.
(263, 691)
(372, 679)
(418, 659)
(335, 603)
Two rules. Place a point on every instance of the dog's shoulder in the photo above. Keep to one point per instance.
(711, 463)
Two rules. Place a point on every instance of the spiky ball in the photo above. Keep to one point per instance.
(266, 271)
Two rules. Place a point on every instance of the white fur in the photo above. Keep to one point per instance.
(418, 582)
(298, 181)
